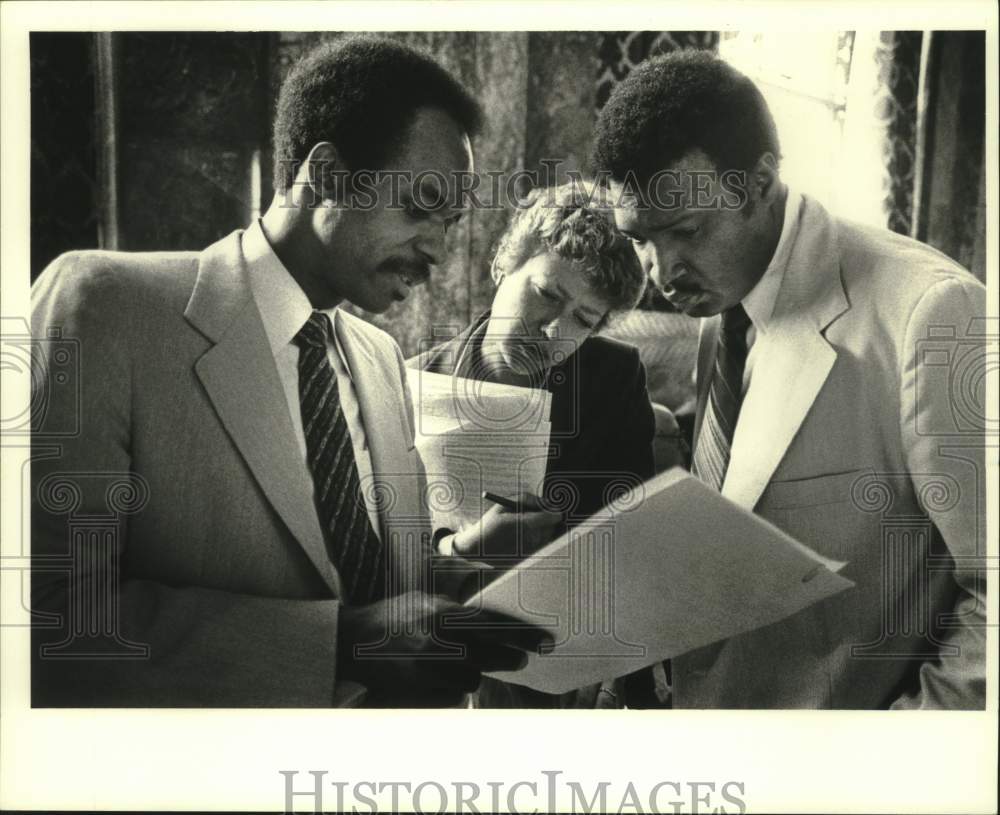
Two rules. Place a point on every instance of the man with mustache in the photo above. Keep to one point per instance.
(275, 549)
(830, 401)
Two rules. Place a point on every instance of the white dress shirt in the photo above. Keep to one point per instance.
(284, 309)
(759, 303)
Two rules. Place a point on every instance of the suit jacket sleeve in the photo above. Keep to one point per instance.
(944, 361)
(164, 645)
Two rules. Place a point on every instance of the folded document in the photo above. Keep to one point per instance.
(666, 568)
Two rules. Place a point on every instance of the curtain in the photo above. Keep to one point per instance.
(898, 56)
(913, 149)
(620, 51)
(950, 179)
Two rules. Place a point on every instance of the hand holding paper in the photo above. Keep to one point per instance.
(475, 436)
(668, 568)
(515, 530)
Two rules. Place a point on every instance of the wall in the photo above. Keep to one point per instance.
(172, 151)
(537, 90)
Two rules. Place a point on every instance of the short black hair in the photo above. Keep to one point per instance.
(361, 93)
(676, 103)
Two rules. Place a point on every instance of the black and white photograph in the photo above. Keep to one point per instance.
(450, 409)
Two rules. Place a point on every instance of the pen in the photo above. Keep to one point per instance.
(499, 500)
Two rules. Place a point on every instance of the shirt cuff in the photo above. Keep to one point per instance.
(444, 540)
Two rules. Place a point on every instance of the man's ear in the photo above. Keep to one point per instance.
(326, 173)
(764, 177)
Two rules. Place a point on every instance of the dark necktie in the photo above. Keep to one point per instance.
(725, 395)
(351, 542)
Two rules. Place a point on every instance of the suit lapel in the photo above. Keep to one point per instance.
(241, 379)
(791, 368)
(793, 360)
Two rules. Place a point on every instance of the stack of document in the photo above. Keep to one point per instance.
(474, 436)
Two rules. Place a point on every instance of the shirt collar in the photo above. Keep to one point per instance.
(759, 303)
(283, 306)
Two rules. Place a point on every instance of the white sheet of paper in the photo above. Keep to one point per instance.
(477, 406)
(475, 436)
(460, 467)
(669, 568)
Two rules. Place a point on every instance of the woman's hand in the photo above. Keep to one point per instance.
(506, 533)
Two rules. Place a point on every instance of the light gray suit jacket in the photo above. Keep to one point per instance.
(862, 435)
(219, 587)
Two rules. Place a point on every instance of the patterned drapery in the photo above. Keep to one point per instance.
(620, 51)
(897, 55)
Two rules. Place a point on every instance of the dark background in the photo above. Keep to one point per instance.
(152, 141)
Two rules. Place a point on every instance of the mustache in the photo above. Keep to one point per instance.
(681, 289)
(417, 271)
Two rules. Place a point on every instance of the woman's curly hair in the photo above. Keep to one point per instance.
(569, 221)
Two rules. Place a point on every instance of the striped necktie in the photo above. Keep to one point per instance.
(352, 544)
(725, 395)
(650, 687)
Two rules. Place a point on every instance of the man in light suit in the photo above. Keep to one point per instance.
(837, 379)
(240, 519)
